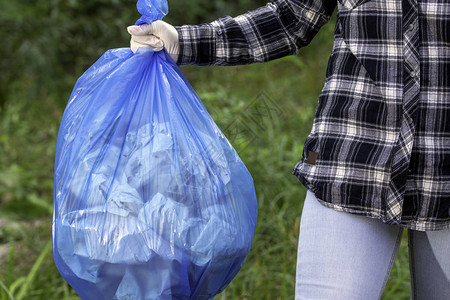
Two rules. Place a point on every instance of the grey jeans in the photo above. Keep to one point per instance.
(343, 256)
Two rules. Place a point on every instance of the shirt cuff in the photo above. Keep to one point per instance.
(197, 44)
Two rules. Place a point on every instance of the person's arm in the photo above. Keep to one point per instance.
(278, 29)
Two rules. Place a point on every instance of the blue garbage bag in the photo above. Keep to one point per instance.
(151, 201)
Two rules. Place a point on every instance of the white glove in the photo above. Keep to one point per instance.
(157, 35)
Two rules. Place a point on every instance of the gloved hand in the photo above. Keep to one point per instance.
(157, 35)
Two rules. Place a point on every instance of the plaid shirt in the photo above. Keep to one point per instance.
(380, 141)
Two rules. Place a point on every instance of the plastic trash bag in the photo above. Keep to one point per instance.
(150, 199)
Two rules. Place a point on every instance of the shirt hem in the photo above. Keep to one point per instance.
(419, 226)
(413, 225)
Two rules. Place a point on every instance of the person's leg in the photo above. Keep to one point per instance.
(429, 254)
(343, 256)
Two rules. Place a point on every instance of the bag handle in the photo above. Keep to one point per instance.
(151, 10)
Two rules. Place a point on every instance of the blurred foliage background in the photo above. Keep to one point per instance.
(47, 45)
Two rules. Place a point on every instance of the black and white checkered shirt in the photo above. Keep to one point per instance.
(380, 142)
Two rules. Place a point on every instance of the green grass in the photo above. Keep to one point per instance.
(282, 94)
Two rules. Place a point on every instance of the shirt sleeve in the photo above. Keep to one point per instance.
(275, 30)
